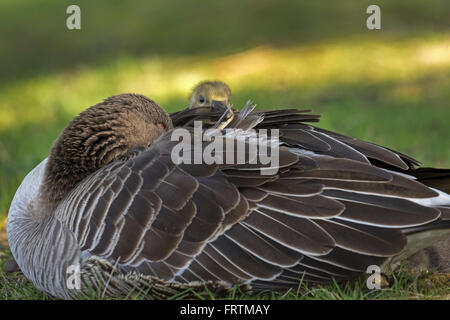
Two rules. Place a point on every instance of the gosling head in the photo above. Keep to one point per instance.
(213, 94)
(105, 132)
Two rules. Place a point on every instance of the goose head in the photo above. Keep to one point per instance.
(105, 132)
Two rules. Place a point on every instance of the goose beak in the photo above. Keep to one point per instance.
(219, 106)
(225, 110)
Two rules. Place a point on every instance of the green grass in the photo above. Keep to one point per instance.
(403, 284)
(390, 87)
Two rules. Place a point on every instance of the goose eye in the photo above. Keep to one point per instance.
(201, 99)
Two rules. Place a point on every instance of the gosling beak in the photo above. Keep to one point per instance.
(219, 106)
(227, 113)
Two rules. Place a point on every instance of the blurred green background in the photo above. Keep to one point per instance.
(388, 86)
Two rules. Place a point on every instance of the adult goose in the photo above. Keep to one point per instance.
(111, 203)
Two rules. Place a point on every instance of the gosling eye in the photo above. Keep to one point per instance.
(201, 99)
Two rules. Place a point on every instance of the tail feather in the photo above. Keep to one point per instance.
(434, 178)
(438, 179)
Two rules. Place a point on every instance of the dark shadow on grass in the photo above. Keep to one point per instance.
(35, 39)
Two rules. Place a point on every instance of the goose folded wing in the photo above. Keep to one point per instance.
(319, 215)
